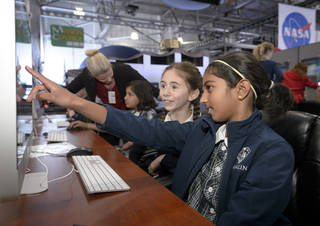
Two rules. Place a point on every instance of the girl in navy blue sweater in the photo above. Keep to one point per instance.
(232, 169)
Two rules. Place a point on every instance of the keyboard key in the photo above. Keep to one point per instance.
(97, 175)
(57, 136)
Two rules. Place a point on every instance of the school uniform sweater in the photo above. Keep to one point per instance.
(256, 181)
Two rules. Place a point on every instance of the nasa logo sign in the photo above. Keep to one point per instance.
(296, 30)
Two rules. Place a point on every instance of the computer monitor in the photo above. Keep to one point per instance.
(313, 70)
(13, 156)
(313, 66)
(9, 169)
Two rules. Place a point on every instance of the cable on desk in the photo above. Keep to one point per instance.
(45, 166)
(58, 178)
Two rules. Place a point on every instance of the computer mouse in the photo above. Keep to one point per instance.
(79, 151)
(45, 134)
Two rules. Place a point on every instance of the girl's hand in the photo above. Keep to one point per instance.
(126, 146)
(78, 124)
(70, 113)
(154, 166)
(49, 91)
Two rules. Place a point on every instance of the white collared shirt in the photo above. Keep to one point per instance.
(221, 134)
(190, 119)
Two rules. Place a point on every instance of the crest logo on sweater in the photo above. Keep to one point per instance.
(245, 151)
(243, 154)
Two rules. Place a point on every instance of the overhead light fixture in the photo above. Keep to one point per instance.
(180, 39)
(79, 11)
(134, 36)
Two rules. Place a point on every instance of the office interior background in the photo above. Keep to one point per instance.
(162, 32)
(147, 34)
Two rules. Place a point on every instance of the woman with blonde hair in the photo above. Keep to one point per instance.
(263, 53)
(105, 82)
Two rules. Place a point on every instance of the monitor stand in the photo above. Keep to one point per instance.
(34, 183)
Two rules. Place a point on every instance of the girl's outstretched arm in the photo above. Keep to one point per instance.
(49, 91)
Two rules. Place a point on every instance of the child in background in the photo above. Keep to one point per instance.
(180, 89)
(138, 98)
(297, 80)
(232, 169)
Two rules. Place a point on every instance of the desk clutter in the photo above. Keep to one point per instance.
(55, 149)
(66, 189)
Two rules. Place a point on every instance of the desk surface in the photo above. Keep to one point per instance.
(66, 201)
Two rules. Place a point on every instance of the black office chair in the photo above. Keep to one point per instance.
(310, 106)
(302, 131)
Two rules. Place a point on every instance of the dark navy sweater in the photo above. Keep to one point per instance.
(255, 188)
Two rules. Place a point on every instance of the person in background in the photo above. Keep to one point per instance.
(138, 99)
(20, 90)
(296, 79)
(278, 102)
(105, 83)
(233, 169)
(263, 52)
(178, 84)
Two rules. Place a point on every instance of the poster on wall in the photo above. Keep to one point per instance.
(22, 31)
(66, 36)
(296, 26)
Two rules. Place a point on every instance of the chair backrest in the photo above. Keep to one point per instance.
(302, 131)
(310, 106)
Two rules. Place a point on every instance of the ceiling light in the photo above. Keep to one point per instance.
(79, 11)
(134, 36)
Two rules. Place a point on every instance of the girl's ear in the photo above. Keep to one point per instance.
(242, 89)
(194, 94)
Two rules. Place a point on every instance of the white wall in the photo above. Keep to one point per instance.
(153, 72)
(57, 60)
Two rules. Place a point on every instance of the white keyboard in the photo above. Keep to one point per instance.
(63, 124)
(97, 175)
(57, 136)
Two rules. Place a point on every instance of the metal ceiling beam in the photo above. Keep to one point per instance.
(146, 35)
(116, 13)
(263, 21)
(59, 12)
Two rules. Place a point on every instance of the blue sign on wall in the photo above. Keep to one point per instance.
(296, 30)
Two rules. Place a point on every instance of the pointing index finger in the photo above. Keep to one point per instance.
(38, 76)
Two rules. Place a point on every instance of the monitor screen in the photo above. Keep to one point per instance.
(313, 66)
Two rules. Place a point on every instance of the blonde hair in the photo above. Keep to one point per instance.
(260, 51)
(96, 62)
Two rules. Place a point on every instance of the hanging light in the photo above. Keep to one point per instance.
(134, 36)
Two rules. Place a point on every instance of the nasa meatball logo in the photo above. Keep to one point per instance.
(296, 30)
